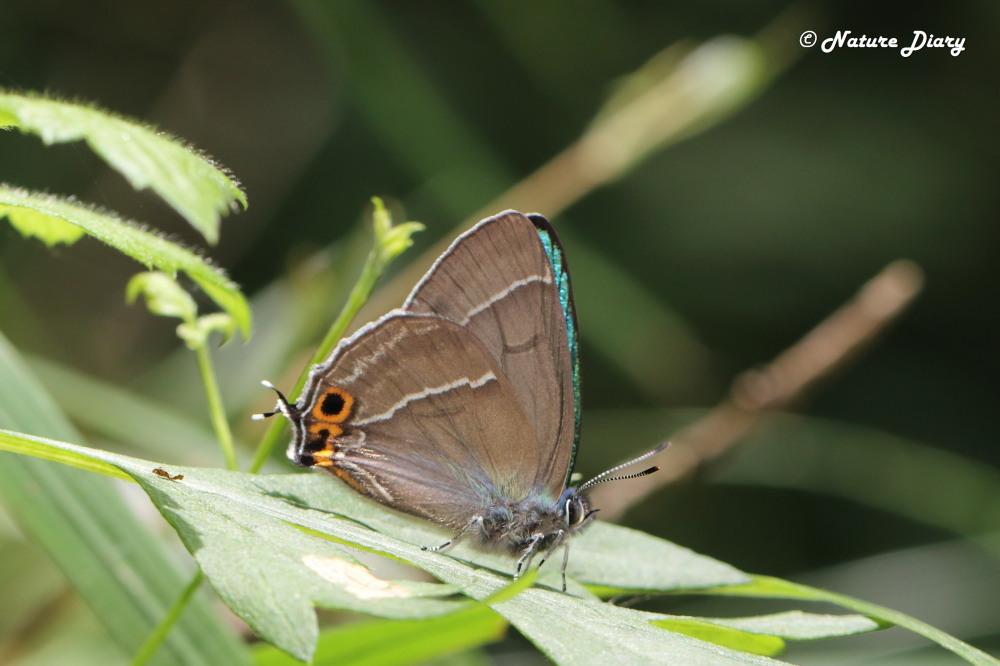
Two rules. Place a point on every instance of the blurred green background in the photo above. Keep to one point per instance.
(706, 258)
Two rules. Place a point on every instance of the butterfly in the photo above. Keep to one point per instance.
(463, 405)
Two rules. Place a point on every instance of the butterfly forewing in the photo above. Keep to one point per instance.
(423, 419)
(498, 282)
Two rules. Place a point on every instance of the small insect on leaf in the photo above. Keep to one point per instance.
(159, 471)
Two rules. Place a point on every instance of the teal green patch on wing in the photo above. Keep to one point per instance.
(556, 257)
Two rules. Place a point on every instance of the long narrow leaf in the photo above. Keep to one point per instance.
(766, 634)
(110, 559)
(767, 587)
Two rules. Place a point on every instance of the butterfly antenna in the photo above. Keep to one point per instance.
(282, 407)
(606, 476)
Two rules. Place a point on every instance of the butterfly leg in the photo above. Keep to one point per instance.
(524, 562)
(477, 520)
(565, 562)
(559, 541)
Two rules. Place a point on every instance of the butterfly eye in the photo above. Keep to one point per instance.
(576, 511)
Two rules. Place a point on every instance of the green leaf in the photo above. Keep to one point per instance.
(774, 588)
(164, 297)
(50, 449)
(705, 630)
(195, 334)
(82, 522)
(126, 236)
(387, 642)
(533, 612)
(114, 413)
(34, 224)
(257, 540)
(766, 634)
(188, 181)
(390, 241)
(801, 626)
(29, 585)
(268, 544)
(270, 573)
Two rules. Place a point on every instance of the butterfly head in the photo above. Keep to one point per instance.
(571, 515)
(573, 512)
(295, 414)
(533, 526)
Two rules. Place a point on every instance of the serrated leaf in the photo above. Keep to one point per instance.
(650, 563)
(534, 612)
(256, 539)
(125, 236)
(188, 181)
(270, 573)
(50, 230)
(229, 519)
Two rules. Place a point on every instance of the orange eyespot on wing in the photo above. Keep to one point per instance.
(319, 450)
(333, 406)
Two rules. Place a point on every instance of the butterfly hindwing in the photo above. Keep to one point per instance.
(506, 283)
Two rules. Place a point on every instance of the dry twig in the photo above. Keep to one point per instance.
(781, 384)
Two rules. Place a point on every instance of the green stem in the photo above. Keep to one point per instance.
(159, 635)
(215, 408)
(389, 242)
(362, 291)
(370, 274)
